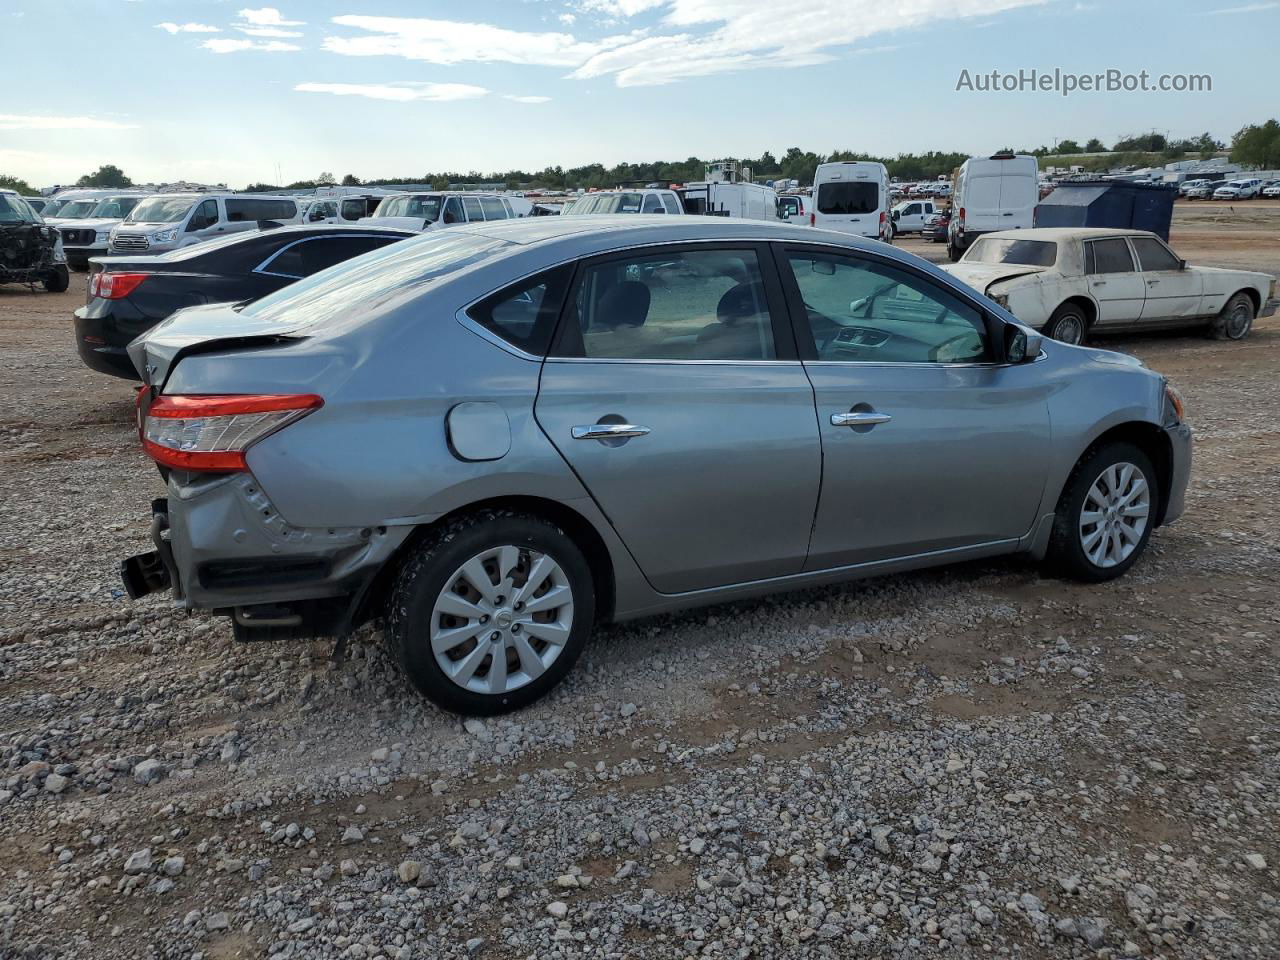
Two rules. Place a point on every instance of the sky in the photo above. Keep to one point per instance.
(220, 91)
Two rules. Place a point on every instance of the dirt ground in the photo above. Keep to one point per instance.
(1143, 716)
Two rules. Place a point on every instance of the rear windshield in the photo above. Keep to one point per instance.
(161, 210)
(428, 208)
(1030, 253)
(848, 198)
(363, 283)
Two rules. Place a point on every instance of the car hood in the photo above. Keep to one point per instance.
(981, 276)
(96, 223)
(215, 326)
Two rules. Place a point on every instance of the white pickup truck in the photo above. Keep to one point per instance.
(909, 215)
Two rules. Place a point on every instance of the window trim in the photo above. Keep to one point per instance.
(807, 348)
(1137, 258)
(475, 326)
(784, 345)
(1133, 257)
(261, 270)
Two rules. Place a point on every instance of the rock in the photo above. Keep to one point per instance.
(409, 871)
(380, 755)
(148, 772)
(172, 866)
(628, 710)
(476, 728)
(217, 921)
(955, 765)
(230, 752)
(567, 881)
(697, 845)
(880, 837)
(1067, 927)
(302, 925)
(1031, 903)
(984, 915)
(348, 868)
(1091, 933)
(1069, 884)
(558, 909)
(474, 944)
(55, 783)
(1256, 860)
(352, 834)
(139, 862)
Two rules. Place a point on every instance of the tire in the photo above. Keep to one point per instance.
(1235, 319)
(954, 253)
(58, 280)
(433, 575)
(1068, 324)
(1070, 552)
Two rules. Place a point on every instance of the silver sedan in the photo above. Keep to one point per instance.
(495, 437)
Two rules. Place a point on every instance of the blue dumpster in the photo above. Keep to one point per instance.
(1109, 203)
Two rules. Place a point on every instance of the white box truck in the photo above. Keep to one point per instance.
(852, 196)
(999, 192)
(747, 201)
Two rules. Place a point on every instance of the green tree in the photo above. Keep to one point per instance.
(1094, 146)
(1257, 145)
(439, 183)
(351, 180)
(1066, 147)
(326, 179)
(108, 175)
(17, 183)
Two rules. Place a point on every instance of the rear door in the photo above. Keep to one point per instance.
(850, 204)
(982, 198)
(1172, 293)
(674, 393)
(1019, 194)
(1114, 281)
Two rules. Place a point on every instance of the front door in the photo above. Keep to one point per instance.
(1114, 281)
(929, 443)
(1173, 292)
(673, 392)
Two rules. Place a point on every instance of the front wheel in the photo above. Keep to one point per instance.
(1235, 320)
(1067, 325)
(491, 612)
(57, 280)
(1105, 515)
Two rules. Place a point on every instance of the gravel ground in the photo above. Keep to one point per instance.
(962, 762)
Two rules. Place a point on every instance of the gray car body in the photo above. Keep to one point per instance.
(727, 497)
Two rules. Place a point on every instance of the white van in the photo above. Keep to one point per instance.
(852, 196)
(999, 192)
(167, 221)
(737, 199)
(425, 211)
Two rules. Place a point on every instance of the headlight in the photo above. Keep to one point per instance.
(102, 236)
(165, 236)
(1173, 403)
(1002, 299)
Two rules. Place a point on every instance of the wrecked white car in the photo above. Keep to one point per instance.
(1072, 282)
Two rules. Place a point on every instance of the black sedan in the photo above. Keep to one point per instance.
(129, 295)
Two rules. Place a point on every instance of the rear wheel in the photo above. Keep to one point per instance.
(954, 253)
(1105, 514)
(1068, 324)
(57, 280)
(1235, 320)
(490, 613)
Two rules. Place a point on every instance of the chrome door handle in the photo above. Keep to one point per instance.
(1151, 283)
(860, 419)
(1099, 283)
(608, 431)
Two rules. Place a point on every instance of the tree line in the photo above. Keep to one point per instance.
(1256, 145)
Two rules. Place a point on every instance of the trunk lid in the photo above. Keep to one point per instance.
(218, 326)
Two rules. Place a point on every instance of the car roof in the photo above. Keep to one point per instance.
(1063, 234)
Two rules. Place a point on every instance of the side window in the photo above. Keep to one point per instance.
(493, 208)
(525, 314)
(651, 204)
(311, 256)
(453, 211)
(865, 310)
(1110, 256)
(682, 305)
(669, 201)
(472, 206)
(353, 209)
(506, 205)
(1154, 255)
(206, 215)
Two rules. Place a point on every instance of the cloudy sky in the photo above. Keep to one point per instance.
(219, 91)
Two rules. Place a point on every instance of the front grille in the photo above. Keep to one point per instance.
(129, 241)
(78, 238)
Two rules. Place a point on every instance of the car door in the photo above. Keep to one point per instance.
(929, 442)
(674, 393)
(1114, 282)
(1173, 292)
(205, 222)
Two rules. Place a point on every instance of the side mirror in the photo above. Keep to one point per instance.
(1182, 264)
(1021, 345)
(896, 215)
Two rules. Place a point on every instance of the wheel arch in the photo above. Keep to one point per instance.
(1151, 440)
(579, 528)
(1254, 297)
(1086, 303)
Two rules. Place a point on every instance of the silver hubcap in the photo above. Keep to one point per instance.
(501, 620)
(1070, 329)
(1114, 515)
(1238, 322)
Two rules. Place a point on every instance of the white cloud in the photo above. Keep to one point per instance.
(186, 28)
(228, 45)
(619, 8)
(267, 32)
(449, 41)
(16, 121)
(1248, 8)
(267, 17)
(745, 34)
(567, 19)
(525, 99)
(402, 92)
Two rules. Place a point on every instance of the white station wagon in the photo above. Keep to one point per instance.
(1069, 282)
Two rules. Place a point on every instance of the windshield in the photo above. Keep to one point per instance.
(363, 283)
(1030, 253)
(77, 209)
(52, 207)
(114, 208)
(161, 210)
(15, 210)
(607, 203)
(848, 198)
(426, 207)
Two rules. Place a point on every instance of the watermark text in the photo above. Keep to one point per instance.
(1065, 83)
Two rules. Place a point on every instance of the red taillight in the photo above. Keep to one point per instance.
(813, 219)
(208, 432)
(114, 286)
(882, 218)
(961, 219)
